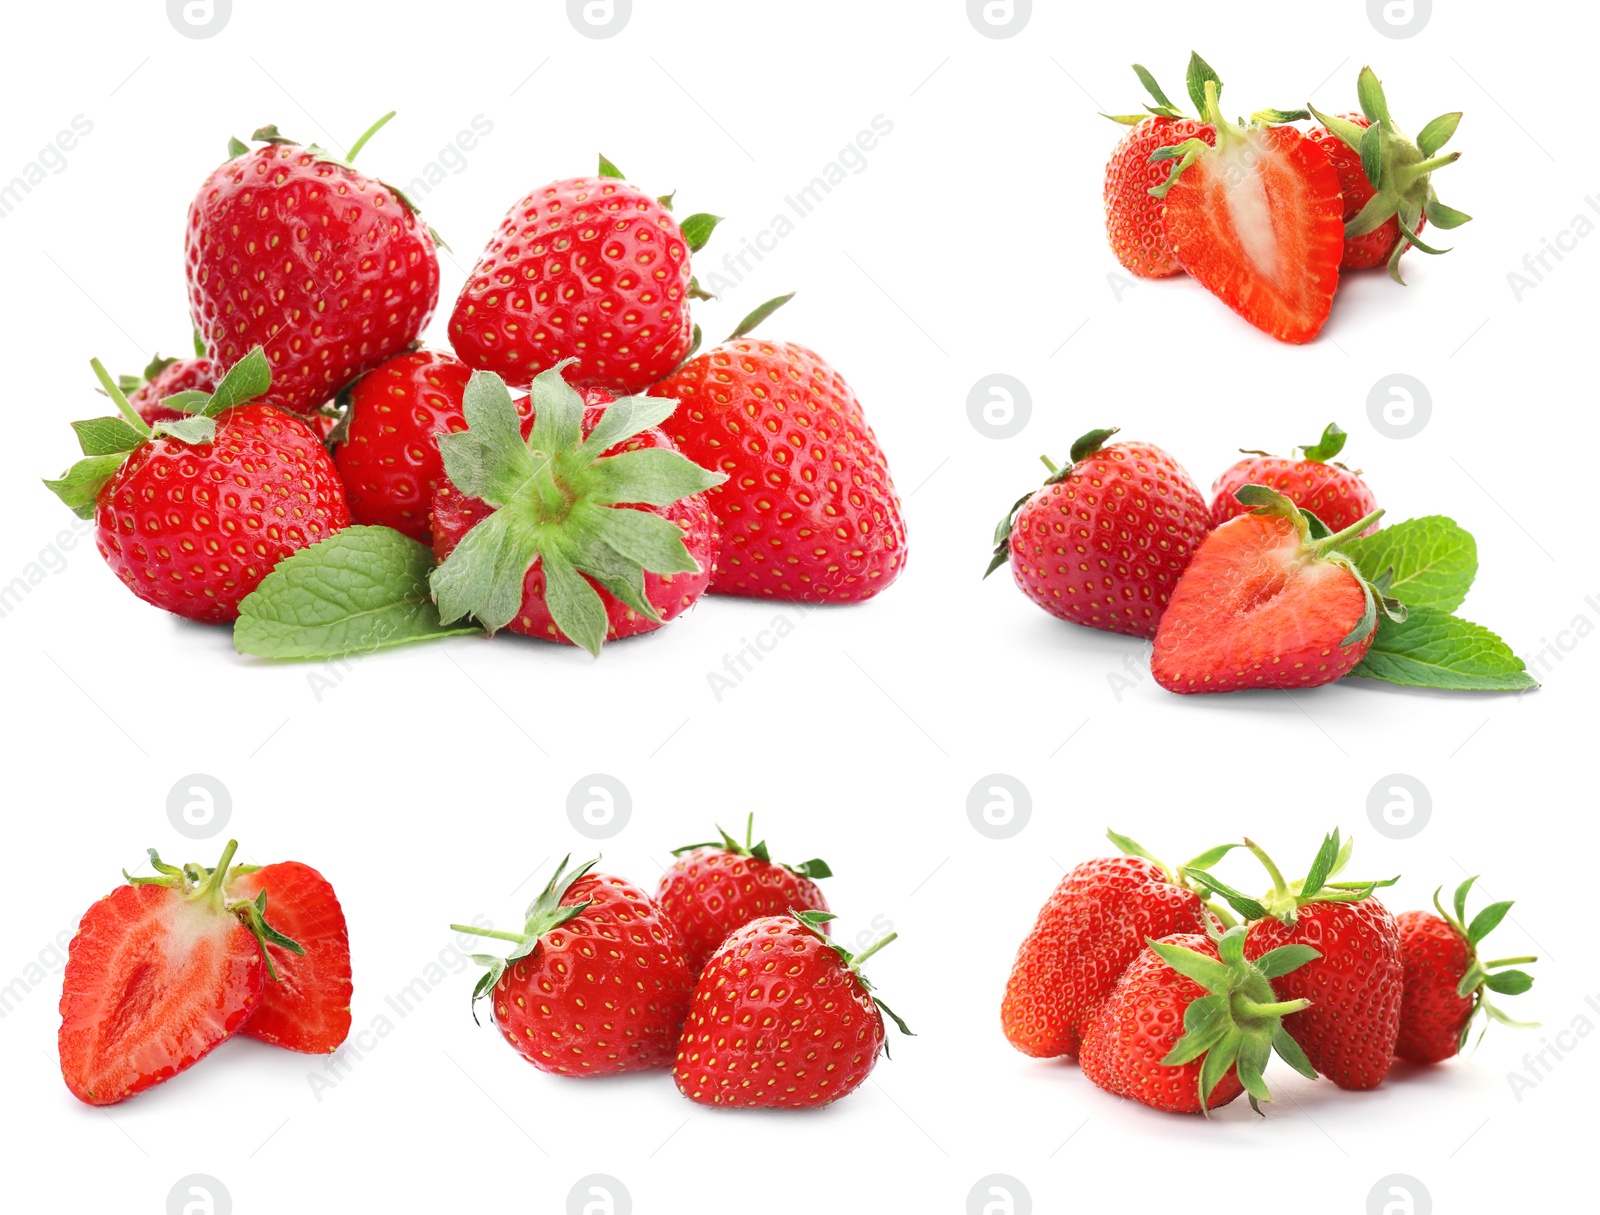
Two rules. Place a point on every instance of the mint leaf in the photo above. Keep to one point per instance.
(360, 590)
(1434, 561)
(1433, 649)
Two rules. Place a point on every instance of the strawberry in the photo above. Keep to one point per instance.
(160, 973)
(597, 983)
(1446, 984)
(1265, 605)
(782, 1018)
(1190, 1024)
(1254, 216)
(308, 1008)
(290, 249)
(1385, 178)
(590, 269)
(165, 378)
(1336, 495)
(1354, 987)
(1133, 215)
(1094, 924)
(809, 512)
(578, 524)
(712, 889)
(1104, 543)
(192, 514)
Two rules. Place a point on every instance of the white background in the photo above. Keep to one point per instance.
(430, 784)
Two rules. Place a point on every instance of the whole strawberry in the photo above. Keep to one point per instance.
(1386, 208)
(1095, 923)
(1333, 493)
(1104, 543)
(1446, 984)
(591, 269)
(782, 1018)
(712, 889)
(1191, 1023)
(1264, 605)
(809, 512)
(165, 378)
(577, 524)
(291, 249)
(596, 984)
(192, 514)
(1354, 988)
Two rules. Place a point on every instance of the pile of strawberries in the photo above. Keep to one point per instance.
(1166, 999)
(575, 469)
(1264, 215)
(166, 968)
(728, 976)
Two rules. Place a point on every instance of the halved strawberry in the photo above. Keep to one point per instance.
(1269, 602)
(308, 1008)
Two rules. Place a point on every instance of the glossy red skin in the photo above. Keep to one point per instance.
(454, 515)
(809, 513)
(1248, 615)
(1434, 957)
(1373, 248)
(148, 991)
(590, 268)
(604, 993)
(710, 892)
(1331, 492)
(325, 268)
(1133, 214)
(1105, 546)
(1139, 1022)
(195, 528)
(1350, 1030)
(307, 1008)
(778, 1021)
(1095, 923)
(185, 375)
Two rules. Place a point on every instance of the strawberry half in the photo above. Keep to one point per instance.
(1269, 601)
(161, 972)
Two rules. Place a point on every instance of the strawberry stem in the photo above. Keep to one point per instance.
(515, 937)
(1283, 1008)
(1499, 962)
(130, 415)
(1279, 886)
(1349, 533)
(866, 953)
(211, 892)
(366, 135)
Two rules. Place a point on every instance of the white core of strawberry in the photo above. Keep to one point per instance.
(1238, 164)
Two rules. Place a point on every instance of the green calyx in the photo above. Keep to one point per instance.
(270, 134)
(1398, 169)
(696, 228)
(1086, 446)
(1318, 543)
(814, 868)
(107, 442)
(1482, 977)
(1284, 901)
(208, 887)
(1181, 875)
(1239, 1024)
(561, 501)
(544, 914)
(1326, 448)
(813, 921)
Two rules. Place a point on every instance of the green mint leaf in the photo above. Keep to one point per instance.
(246, 380)
(652, 476)
(81, 484)
(360, 590)
(1433, 649)
(1434, 561)
(106, 436)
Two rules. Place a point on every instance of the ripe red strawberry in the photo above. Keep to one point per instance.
(712, 889)
(592, 269)
(580, 524)
(1385, 178)
(596, 985)
(1104, 543)
(308, 1008)
(160, 973)
(192, 514)
(1446, 984)
(809, 512)
(164, 378)
(1190, 1024)
(1095, 923)
(1264, 605)
(1336, 495)
(1254, 217)
(1349, 1031)
(330, 271)
(782, 1018)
